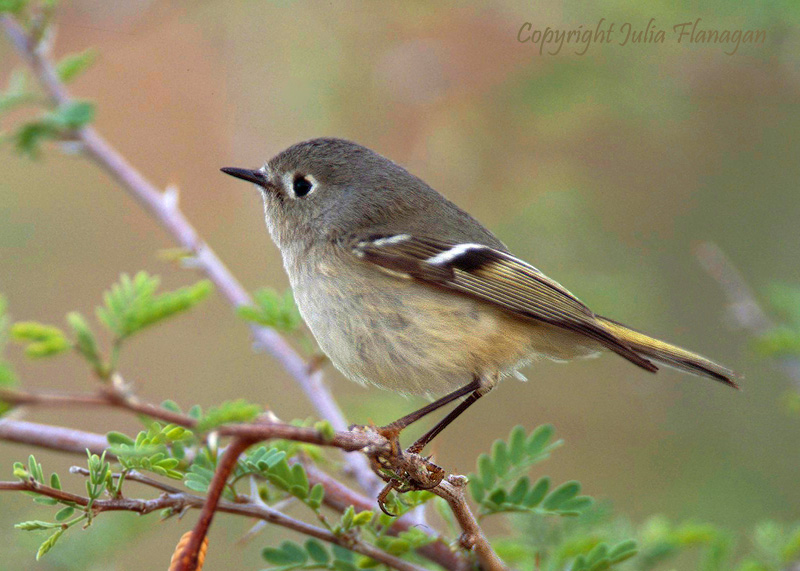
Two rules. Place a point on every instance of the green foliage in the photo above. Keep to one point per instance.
(42, 340)
(310, 555)
(499, 486)
(86, 343)
(99, 482)
(325, 429)
(228, 412)
(16, 92)
(603, 557)
(7, 376)
(350, 520)
(404, 542)
(198, 476)
(72, 65)
(132, 304)
(273, 310)
(151, 450)
(55, 125)
(784, 339)
(12, 6)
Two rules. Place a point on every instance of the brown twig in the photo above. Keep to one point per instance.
(164, 208)
(189, 558)
(181, 501)
(337, 496)
(451, 489)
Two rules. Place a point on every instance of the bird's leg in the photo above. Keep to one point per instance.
(414, 472)
(392, 431)
(423, 441)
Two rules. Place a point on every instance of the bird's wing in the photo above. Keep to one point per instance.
(489, 275)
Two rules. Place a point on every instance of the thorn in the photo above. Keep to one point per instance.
(170, 197)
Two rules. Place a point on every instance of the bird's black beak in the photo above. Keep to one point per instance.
(254, 176)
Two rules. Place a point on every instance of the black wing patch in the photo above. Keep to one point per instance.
(491, 276)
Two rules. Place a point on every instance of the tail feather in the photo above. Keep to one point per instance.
(670, 355)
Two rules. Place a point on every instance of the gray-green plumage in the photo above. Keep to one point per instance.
(404, 290)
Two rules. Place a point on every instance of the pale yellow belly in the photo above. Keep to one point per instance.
(413, 338)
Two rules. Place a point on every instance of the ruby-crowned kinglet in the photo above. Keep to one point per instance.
(404, 290)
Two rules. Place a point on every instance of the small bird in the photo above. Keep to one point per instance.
(404, 290)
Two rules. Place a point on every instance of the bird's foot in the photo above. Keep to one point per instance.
(402, 470)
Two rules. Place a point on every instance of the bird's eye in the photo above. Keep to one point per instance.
(301, 186)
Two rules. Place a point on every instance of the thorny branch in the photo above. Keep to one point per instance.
(337, 495)
(163, 206)
(179, 501)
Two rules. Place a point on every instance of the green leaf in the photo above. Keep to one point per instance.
(72, 65)
(86, 344)
(316, 496)
(476, 488)
(561, 494)
(228, 412)
(317, 552)
(16, 93)
(289, 554)
(272, 310)
(342, 554)
(363, 518)
(171, 406)
(622, 551)
(537, 494)
(35, 469)
(486, 471)
(73, 115)
(48, 543)
(42, 340)
(115, 438)
(55, 481)
(500, 457)
(326, 430)
(35, 525)
(300, 479)
(516, 446)
(539, 438)
(45, 500)
(518, 492)
(131, 305)
(65, 513)
(12, 6)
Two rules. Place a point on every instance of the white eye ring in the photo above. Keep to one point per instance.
(301, 185)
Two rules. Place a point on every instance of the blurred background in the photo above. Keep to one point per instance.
(604, 170)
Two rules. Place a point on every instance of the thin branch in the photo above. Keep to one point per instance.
(107, 396)
(181, 501)
(52, 437)
(132, 476)
(189, 558)
(165, 210)
(744, 307)
(337, 496)
(451, 489)
(168, 214)
(373, 443)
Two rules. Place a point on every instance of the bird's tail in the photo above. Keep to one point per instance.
(670, 355)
